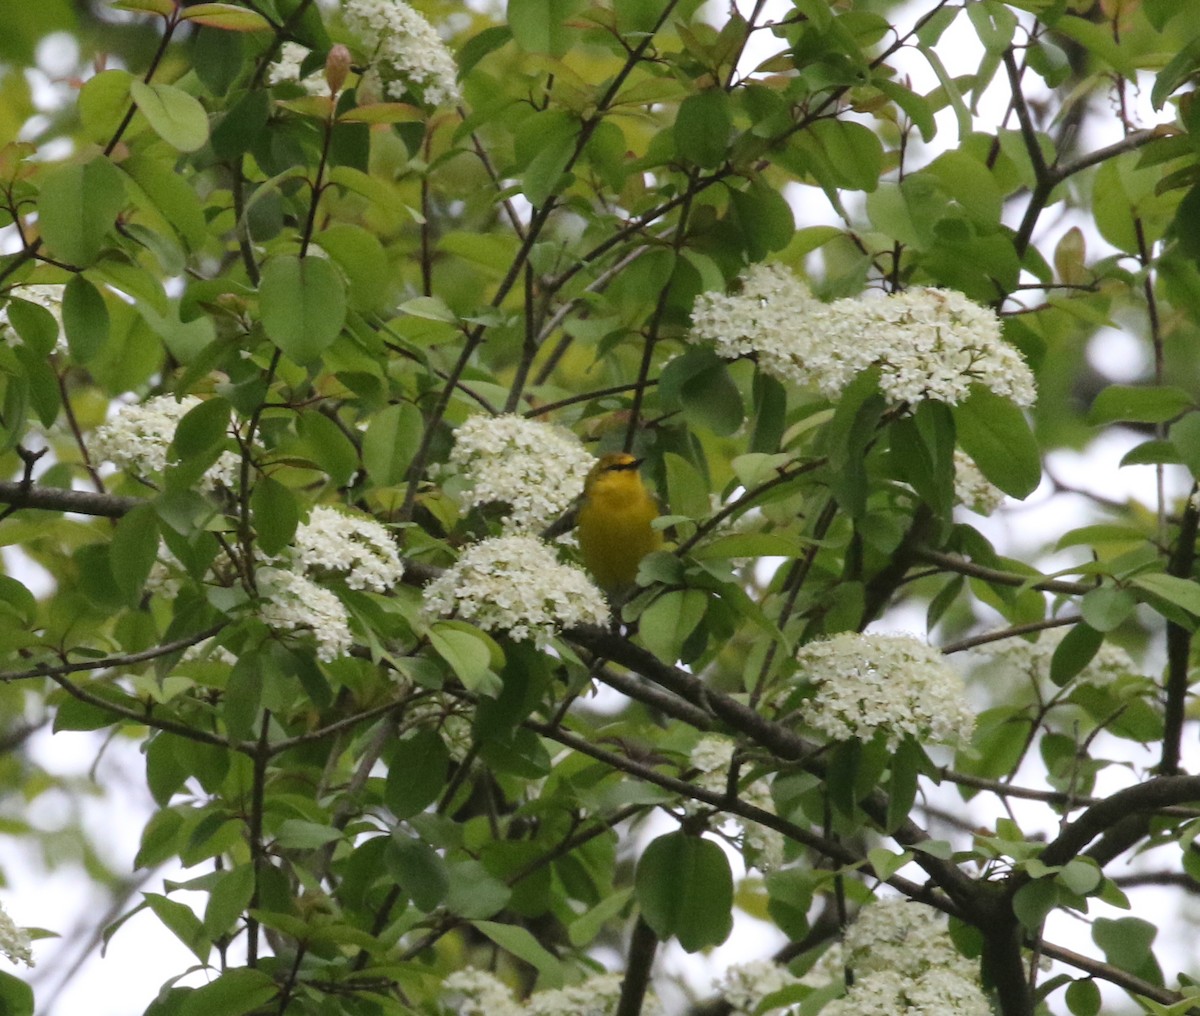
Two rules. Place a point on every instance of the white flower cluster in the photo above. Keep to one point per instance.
(1110, 663)
(713, 756)
(536, 468)
(909, 938)
(745, 985)
(403, 50)
(904, 961)
(972, 489)
(286, 68)
(359, 547)
(927, 343)
(291, 601)
(477, 993)
(891, 683)
(515, 584)
(14, 941)
(137, 438)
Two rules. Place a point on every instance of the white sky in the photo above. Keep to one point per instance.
(143, 953)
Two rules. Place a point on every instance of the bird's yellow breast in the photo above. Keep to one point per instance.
(614, 526)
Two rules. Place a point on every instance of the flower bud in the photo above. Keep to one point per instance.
(337, 66)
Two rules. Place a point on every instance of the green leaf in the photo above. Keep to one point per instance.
(390, 442)
(16, 997)
(34, 323)
(382, 112)
(225, 16)
(702, 127)
(1081, 875)
(1077, 649)
(916, 107)
(1097, 40)
(524, 946)
(852, 153)
(85, 319)
(1138, 404)
(685, 889)
(77, 205)
(202, 428)
(1150, 453)
(994, 432)
(544, 145)
(1083, 997)
(134, 550)
(474, 893)
(175, 116)
(540, 26)
(229, 899)
(164, 8)
(275, 513)
(326, 444)
(182, 923)
(1033, 901)
(417, 768)
(1107, 607)
(431, 308)
(361, 257)
(583, 930)
(418, 869)
(666, 624)
(905, 766)
(240, 706)
(1126, 941)
(1183, 593)
(712, 401)
(299, 834)
(234, 993)
(469, 653)
(303, 303)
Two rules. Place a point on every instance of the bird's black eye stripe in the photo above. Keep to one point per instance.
(626, 466)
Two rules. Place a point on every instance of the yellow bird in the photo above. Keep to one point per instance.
(614, 521)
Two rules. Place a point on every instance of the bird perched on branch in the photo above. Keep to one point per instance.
(614, 521)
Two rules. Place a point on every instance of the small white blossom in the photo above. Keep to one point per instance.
(886, 993)
(209, 651)
(904, 961)
(477, 993)
(597, 996)
(910, 938)
(933, 344)
(745, 985)
(972, 489)
(713, 756)
(895, 684)
(14, 941)
(1110, 663)
(536, 468)
(291, 601)
(137, 438)
(515, 584)
(333, 541)
(403, 50)
(164, 578)
(927, 343)
(286, 69)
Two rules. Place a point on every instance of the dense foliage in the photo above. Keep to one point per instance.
(264, 260)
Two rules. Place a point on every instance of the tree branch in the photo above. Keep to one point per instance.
(80, 502)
